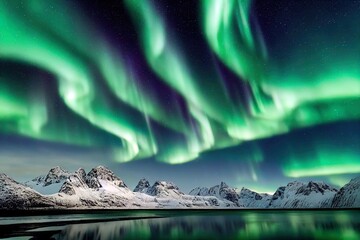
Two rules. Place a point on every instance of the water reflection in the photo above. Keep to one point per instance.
(226, 225)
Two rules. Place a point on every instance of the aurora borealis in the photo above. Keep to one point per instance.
(255, 92)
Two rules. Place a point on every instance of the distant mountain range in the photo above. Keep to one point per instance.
(102, 189)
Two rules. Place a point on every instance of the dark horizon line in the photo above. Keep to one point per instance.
(53, 211)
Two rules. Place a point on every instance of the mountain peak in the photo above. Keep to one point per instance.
(303, 195)
(223, 185)
(348, 195)
(57, 169)
(103, 173)
(199, 191)
(249, 198)
(143, 185)
(80, 170)
(222, 191)
(167, 185)
(102, 188)
(101, 167)
(164, 189)
(315, 187)
(294, 184)
(81, 173)
(55, 175)
(14, 195)
(72, 182)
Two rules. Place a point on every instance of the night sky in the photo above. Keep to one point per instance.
(253, 93)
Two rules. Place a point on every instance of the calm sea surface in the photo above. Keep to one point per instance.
(229, 224)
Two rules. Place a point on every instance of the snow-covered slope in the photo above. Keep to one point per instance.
(81, 173)
(49, 183)
(164, 194)
(164, 189)
(222, 191)
(251, 199)
(199, 191)
(72, 184)
(101, 188)
(301, 195)
(348, 196)
(14, 195)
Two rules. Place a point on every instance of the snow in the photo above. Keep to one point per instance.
(349, 195)
(222, 192)
(101, 188)
(16, 195)
(251, 199)
(142, 186)
(301, 195)
(49, 183)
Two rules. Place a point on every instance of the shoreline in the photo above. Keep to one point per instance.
(40, 212)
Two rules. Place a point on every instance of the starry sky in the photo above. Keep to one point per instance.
(253, 93)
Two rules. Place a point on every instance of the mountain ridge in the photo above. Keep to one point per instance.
(101, 188)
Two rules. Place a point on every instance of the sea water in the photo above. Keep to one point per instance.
(217, 224)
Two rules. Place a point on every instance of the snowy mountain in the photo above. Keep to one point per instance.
(348, 196)
(74, 182)
(14, 195)
(164, 189)
(222, 191)
(101, 188)
(81, 173)
(55, 175)
(49, 183)
(301, 195)
(101, 173)
(168, 195)
(200, 191)
(251, 199)
(142, 186)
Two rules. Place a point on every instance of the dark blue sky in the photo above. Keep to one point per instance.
(253, 93)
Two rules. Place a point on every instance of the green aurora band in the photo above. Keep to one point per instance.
(288, 94)
(49, 48)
